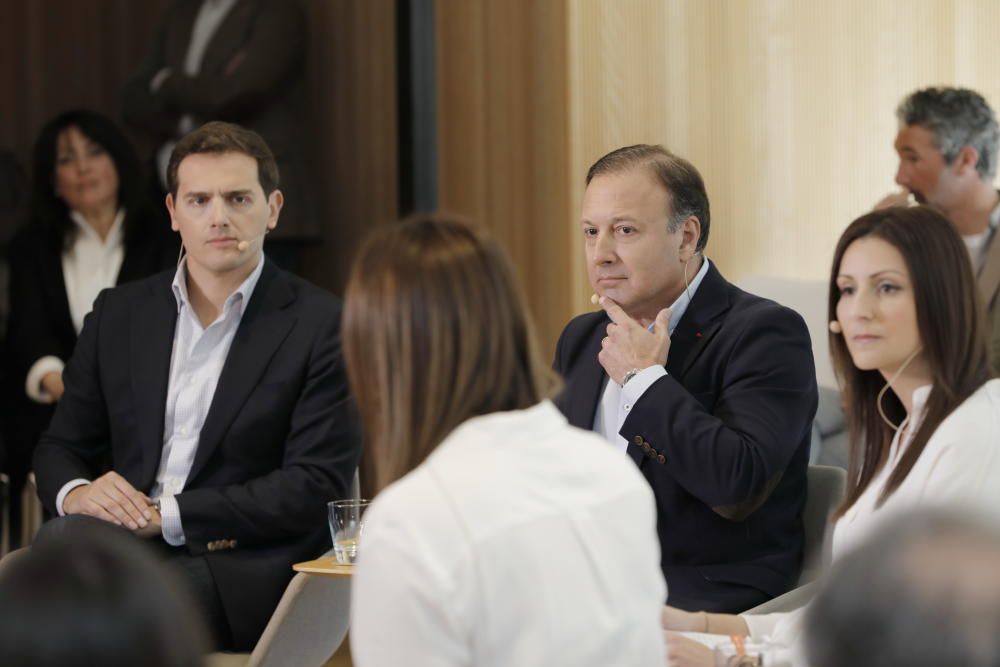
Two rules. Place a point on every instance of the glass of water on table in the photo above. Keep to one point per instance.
(346, 526)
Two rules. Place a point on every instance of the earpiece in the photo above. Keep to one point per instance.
(836, 328)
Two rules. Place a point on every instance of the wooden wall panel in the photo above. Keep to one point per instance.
(503, 138)
(351, 113)
(785, 106)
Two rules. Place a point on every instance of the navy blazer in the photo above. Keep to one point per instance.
(723, 439)
(279, 441)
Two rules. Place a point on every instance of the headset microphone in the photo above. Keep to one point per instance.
(836, 328)
(245, 243)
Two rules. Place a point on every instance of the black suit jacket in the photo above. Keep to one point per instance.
(40, 322)
(279, 441)
(723, 440)
(251, 74)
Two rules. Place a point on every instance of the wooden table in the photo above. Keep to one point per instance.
(324, 567)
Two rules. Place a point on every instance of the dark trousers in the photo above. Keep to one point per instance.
(194, 571)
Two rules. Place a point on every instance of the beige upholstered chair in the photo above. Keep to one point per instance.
(827, 486)
(305, 630)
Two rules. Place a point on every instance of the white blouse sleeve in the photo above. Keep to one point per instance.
(401, 611)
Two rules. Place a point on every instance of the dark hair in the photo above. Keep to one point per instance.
(950, 323)
(678, 176)
(218, 138)
(957, 117)
(921, 592)
(435, 332)
(95, 596)
(48, 210)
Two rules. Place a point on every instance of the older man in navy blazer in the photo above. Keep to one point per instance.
(710, 390)
(216, 393)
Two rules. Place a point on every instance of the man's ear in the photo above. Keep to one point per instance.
(274, 203)
(690, 235)
(967, 159)
(170, 209)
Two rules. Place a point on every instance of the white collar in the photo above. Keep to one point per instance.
(114, 235)
(237, 299)
(680, 306)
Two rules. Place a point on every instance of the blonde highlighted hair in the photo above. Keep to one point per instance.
(435, 332)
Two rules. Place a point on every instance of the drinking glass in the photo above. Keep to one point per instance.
(346, 526)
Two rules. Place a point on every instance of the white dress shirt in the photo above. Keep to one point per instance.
(616, 401)
(519, 541)
(959, 467)
(196, 362)
(90, 264)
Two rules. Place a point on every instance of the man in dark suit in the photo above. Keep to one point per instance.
(239, 61)
(710, 390)
(217, 394)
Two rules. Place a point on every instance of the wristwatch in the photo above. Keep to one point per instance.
(628, 376)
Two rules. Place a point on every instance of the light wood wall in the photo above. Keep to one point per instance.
(503, 138)
(785, 106)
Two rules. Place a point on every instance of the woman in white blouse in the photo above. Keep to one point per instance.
(501, 535)
(909, 348)
(88, 228)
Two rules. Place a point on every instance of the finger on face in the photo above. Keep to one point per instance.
(614, 311)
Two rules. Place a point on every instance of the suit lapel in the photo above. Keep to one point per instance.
(152, 340)
(989, 277)
(264, 325)
(226, 43)
(179, 34)
(54, 284)
(699, 324)
(586, 389)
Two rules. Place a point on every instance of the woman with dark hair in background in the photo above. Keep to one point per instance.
(88, 228)
(908, 345)
(501, 535)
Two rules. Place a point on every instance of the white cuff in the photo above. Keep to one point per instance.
(762, 625)
(639, 383)
(33, 382)
(157, 81)
(64, 491)
(170, 521)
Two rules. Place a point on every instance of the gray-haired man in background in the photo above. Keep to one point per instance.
(947, 143)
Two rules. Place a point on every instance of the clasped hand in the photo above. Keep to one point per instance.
(111, 498)
(629, 344)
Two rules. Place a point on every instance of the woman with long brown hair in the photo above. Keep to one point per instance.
(908, 346)
(500, 534)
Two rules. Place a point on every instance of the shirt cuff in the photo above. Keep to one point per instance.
(640, 382)
(41, 368)
(762, 625)
(170, 521)
(64, 491)
(157, 81)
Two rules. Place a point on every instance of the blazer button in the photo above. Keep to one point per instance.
(646, 446)
(211, 546)
(232, 544)
(638, 439)
(661, 458)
